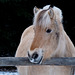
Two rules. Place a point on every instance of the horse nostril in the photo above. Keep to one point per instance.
(35, 55)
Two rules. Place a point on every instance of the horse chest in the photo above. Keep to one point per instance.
(48, 70)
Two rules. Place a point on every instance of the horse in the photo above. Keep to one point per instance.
(44, 39)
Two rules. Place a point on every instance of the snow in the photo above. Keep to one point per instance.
(9, 73)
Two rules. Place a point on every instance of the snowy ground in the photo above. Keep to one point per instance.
(10, 70)
(9, 73)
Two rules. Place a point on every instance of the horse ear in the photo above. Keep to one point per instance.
(35, 10)
(51, 13)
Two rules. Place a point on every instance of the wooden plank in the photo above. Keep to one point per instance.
(24, 61)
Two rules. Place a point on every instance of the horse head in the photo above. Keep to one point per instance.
(47, 30)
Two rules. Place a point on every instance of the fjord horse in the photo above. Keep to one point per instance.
(46, 38)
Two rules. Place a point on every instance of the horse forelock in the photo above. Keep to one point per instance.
(42, 18)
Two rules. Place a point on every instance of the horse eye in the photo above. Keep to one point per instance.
(48, 30)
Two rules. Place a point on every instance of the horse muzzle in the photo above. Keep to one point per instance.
(35, 58)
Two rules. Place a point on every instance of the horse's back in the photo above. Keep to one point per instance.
(27, 32)
(25, 42)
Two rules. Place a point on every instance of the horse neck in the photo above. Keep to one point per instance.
(70, 49)
(60, 51)
(65, 47)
